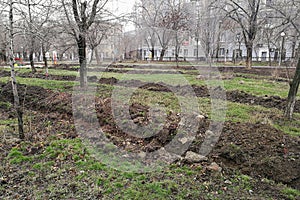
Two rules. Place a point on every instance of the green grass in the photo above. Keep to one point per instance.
(61, 86)
(16, 157)
(291, 127)
(5, 105)
(291, 194)
(258, 87)
(8, 122)
(68, 170)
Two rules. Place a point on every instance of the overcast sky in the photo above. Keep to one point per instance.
(123, 7)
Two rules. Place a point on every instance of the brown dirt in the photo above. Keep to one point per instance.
(255, 149)
(282, 72)
(202, 91)
(49, 77)
(39, 99)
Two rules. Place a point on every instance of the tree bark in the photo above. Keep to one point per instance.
(32, 38)
(45, 59)
(33, 69)
(13, 77)
(82, 60)
(97, 56)
(152, 53)
(294, 86)
(249, 56)
(92, 55)
(162, 54)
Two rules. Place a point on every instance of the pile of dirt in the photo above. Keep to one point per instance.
(29, 95)
(267, 101)
(48, 77)
(260, 150)
(39, 99)
(264, 71)
(108, 81)
(255, 149)
(202, 91)
(65, 66)
(140, 116)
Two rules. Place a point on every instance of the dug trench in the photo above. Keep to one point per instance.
(236, 96)
(202, 91)
(256, 149)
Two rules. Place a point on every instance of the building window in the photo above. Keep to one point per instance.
(222, 37)
(263, 56)
(222, 52)
(186, 52)
(195, 52)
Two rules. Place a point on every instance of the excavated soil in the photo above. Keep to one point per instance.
(202, 91)
(255, 149)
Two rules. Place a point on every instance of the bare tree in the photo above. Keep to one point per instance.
(36, 17)
(246, 15)
(287, 14)
(177, 19)
(3, 41)
(159, 25)
(84, 14)
(98, 32)
(208, 30)
(11, 35)
(150, 11)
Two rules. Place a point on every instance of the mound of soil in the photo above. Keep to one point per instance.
(48, 77)
(108, 81)
(39, 99)
(202, 91)
(267, 101)
(255, 149)
(266, 71)
(261, 151)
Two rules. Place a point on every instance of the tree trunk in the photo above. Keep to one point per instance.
(82, 59)
(162, 54)
(152, 52)
(294, 86)
(97, 56)
(13, 77)
(33, 69)
(31, 38)
(269, 47)
(45, 59)
(92, 55)
(249, 56)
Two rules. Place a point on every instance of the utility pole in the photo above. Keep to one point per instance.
(282, 34)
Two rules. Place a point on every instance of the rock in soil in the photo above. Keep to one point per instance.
(193, 157)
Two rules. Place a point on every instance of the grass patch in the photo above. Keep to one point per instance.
(16, 157)
(61, 86)
(73, 172)
(258, 87)
(291, 194)
(5, 105)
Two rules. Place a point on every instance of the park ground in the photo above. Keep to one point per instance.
(256, 157)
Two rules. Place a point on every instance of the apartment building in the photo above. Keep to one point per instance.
(211, 33)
